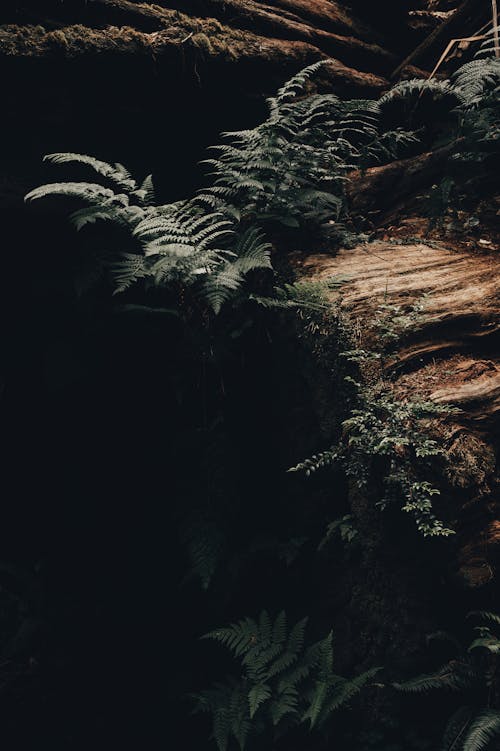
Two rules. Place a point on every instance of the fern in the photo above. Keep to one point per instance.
(117, 173)
(483, 729)
(470, 728)
(455, 676)
(456, 729)
(283, 681)
(380, 425)
(177, 245)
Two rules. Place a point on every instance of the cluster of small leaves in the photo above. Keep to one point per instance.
(385, 426)
(394, 321)
(283, 682)
(342, 526)
(473, 672)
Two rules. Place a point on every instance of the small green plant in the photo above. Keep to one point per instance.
(474, 675)
(343, 527)
(394, 321)
(282, 681)
(383, 426)
(387, 431)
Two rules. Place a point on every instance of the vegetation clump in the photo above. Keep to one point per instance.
(207, 261)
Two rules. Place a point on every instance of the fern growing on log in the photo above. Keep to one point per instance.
(292, 168)
(283, 682)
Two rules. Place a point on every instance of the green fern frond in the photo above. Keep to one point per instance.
(345, 690)
(456, 729)
(284, 705)
(286, 683)
(127, 270)
(295, 85)
(204, 543)
(238, 637)
(89, 192)
(414, 88)
(484, 728)
(257, 695)
(485, 615)
(117, 173)
(220, 285)
(455, 676)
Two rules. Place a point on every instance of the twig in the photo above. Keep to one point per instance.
(495, 27)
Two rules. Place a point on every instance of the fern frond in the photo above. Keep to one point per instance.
(238, 637)
(456, 729)
(117, 173)
(484, 728)
(345, 690)
(257, 695)
(127, 270)
(220, 285)
(414, 88)
(285, 704)
(485, 615)
(204, 543)
(295, 85)
(90, 192)
(145, 193)
(454, 676)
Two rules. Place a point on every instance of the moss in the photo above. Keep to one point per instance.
(470, 462)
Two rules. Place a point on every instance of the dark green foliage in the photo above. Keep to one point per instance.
(184, 261)
(473, 673)
(284, 682)
(291, 170)
(178, 246)
(383, 428)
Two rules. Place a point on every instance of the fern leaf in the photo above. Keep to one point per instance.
(345, 690)
(483, 729)
(238, 637)
(485, 615)
(314, 710)
(456, 729)
(447, 678)
(295, 85)
(285, 704)
(116, 173)
(127, 270)
(91, 192)
(257, 695)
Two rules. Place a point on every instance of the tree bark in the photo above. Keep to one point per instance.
(464, 20)
(380, 187)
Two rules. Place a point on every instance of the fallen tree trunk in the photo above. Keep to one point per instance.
(464, 21)
(380, 187)
(203, 40)
(343, 41)
(448, 355)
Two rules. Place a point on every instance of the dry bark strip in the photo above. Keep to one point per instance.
(451, 356)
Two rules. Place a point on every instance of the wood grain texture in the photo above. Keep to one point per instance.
(451, 355)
